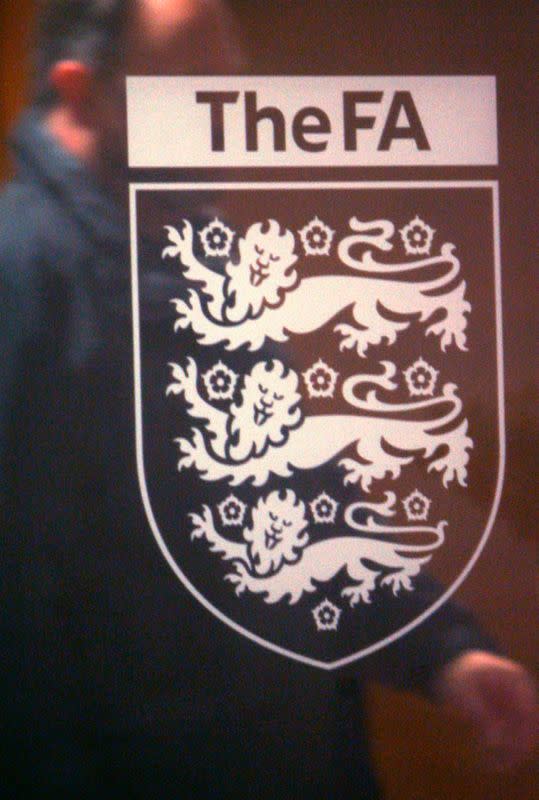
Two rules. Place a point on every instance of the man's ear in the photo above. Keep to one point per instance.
(72, 81)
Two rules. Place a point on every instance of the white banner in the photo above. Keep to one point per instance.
(312, 121)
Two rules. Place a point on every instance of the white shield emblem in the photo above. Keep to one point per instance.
(307, 414)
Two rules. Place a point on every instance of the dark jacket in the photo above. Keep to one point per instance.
(113, 674)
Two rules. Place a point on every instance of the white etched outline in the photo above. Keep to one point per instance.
(346, 186)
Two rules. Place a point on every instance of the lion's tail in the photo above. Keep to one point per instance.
(369, 265)
(372, 404)
(373, 529)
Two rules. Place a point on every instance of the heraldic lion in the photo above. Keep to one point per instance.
(263, 297)
(277, 560)
(267, 432)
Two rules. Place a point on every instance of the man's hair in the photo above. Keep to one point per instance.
(89, 31)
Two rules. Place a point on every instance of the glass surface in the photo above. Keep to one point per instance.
(370, 259)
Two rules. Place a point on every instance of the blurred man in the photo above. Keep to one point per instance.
(115, 679)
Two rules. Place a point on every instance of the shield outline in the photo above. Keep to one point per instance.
(297, 185)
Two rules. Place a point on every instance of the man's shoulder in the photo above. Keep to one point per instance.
(33, 232)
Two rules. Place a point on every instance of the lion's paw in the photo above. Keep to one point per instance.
(180, 380)
(450, 332)
(351, 339)
(450, 472)
(188, 451)
(452, 329)
(185, 313)
(365, 474)
(354, 472)
(200, 524)
(198, 533)
(443, 332)
(397, 581)
(452, 465)
(238, 578)
(358, 593)
(181, 244)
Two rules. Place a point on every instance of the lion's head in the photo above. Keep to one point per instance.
(263, 273)
(277, 535)
(268, 410)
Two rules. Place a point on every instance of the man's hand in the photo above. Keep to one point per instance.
(498, 697)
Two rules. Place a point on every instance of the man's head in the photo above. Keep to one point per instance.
(85, 48)
(88, 32)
